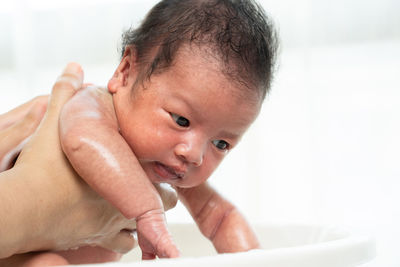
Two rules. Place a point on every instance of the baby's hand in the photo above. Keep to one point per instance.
(154, 237)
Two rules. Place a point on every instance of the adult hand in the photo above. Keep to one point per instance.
(16, 126)
(48, 206)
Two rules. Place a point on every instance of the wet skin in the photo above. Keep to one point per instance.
(174, 128)
(48, 206)
(70, 213)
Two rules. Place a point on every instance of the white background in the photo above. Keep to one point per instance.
(325, 148)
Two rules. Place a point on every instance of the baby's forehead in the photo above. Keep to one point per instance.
(190, 60)
(201, 55)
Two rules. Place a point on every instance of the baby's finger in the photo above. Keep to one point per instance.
(65, 87)
(168, 249)
(148, 256)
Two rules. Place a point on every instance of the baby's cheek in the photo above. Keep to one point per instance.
(210, 164)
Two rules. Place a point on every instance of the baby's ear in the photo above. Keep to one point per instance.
(124, 75)
(113, 84)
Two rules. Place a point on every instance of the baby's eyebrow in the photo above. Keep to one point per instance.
(189, 106)
(230, 135)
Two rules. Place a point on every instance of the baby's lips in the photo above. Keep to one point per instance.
(178, 171)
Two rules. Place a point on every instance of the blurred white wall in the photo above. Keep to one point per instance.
(326, 146)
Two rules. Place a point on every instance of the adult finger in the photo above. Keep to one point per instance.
(65, 87)
(47, 137)
(17, 114)
(13, 138)
(123, 242)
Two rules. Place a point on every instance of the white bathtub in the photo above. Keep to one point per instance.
(284, 245)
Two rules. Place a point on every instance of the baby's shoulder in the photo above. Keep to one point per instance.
(93, 96)
(94, 93)
(95, 100)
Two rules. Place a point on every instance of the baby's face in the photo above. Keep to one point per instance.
(183, 122)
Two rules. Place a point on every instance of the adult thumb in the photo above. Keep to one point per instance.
(65, 87)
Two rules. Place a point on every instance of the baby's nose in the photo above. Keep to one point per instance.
(190, 152)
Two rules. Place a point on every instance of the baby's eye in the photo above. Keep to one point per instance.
(221, 144)
(181, 121)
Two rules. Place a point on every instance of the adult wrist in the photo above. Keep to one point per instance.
(17, 205)
(32, 207)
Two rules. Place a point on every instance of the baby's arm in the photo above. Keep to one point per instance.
(91, 141)
(218, 219)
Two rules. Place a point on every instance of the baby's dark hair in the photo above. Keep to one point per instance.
(237, 32)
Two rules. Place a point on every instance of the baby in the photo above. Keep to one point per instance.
(191, 81)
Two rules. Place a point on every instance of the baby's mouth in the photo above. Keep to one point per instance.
(166, 172)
